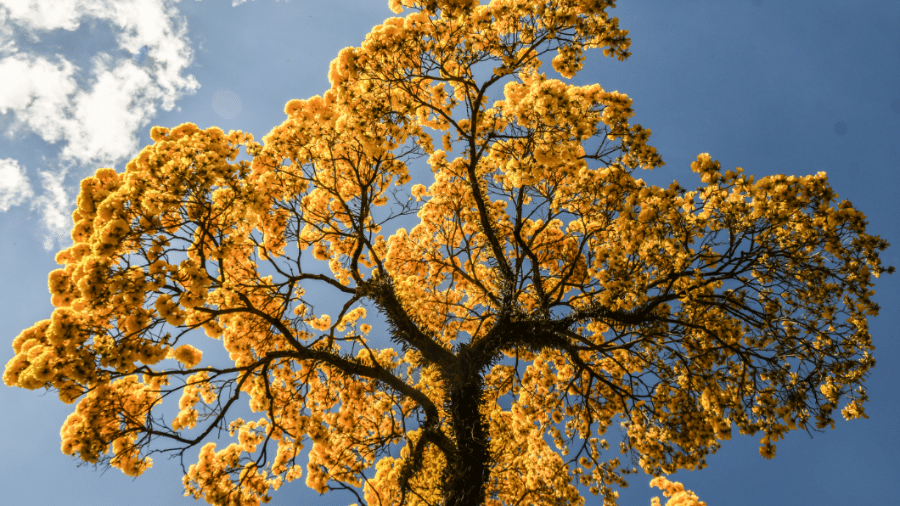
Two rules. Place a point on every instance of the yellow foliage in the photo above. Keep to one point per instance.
(676, 493)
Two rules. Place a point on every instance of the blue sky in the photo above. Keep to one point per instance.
(789, 86)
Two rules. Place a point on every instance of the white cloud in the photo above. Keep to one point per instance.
(14, 186)
(37, 91)
(7, 35)
(44, 15)
(101, 122)
(51, 206)
(107, 119)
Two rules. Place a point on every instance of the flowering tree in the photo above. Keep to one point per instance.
(541, 270)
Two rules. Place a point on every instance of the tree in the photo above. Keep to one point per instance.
(680, 313)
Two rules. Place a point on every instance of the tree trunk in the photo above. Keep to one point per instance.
(466, 478)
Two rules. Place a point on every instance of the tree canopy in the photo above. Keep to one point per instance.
(543, 274)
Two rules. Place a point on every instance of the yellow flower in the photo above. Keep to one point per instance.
(187, 355)
(321, 323)
(419, 191)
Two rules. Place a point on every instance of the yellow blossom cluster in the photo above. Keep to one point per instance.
(196, 388)
(106, 421)
(187, 355)
(210, 478)
(677, 495)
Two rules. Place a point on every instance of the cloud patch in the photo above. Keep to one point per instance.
(101, 121)
(53, 205)
(14, 185)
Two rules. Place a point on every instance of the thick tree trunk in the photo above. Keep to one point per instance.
(467, 478)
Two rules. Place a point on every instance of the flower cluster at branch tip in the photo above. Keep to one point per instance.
(677, 495)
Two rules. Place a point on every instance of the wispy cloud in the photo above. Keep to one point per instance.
(52, 205)
(14, 185)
